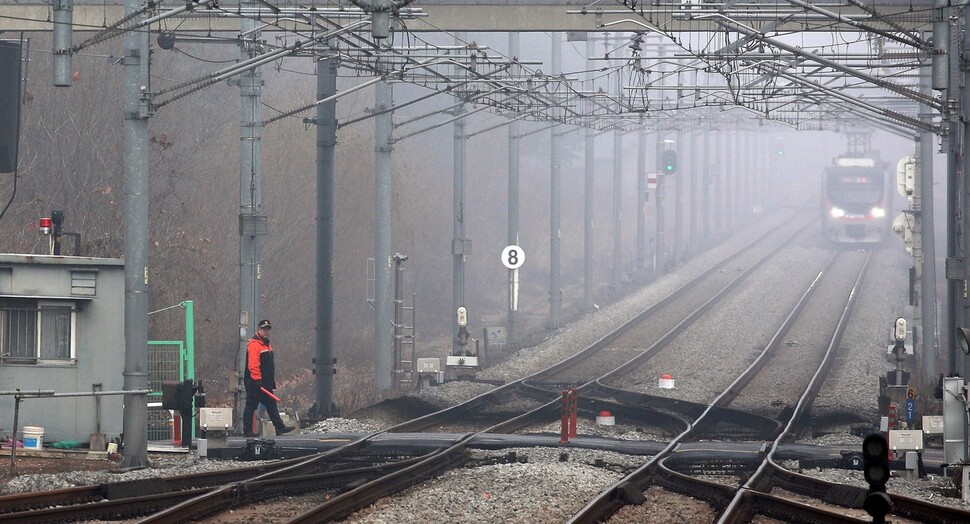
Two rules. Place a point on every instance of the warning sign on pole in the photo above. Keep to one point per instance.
(652, 181)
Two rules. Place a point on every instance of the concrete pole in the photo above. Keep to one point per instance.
(730, 180)
(679, 196)
(63, 41)
(641, 201)
(588, 189)
(739, 167)
(930, 344)
(761, 162)
(954, 187)
(723, 168)
(135, 144)
(962, 239)
(660, 264)
(747, 175)
(513, 238)
(252, 221)
(744, 169)
(616, 281)
(555, 201)
(930, 348)
(694, 173)
(706, 204)
(383, 257)
(323, 368)
(458, 217)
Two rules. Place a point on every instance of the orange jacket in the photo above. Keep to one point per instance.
(259, 360)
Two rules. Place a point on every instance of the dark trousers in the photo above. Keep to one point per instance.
(254, 397)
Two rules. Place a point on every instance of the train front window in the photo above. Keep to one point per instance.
(849, 188)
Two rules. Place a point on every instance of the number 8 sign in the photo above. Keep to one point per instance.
(513, 257)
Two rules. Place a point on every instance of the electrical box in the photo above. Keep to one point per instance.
(429, 365)
(905, 440)
(933, 424)
(214, 419)
(955, 420)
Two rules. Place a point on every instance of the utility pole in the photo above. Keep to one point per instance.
(326, 120)
(731, 160)
(555, 200)
(252, 222)
(641, 202)
(711, 209)
(955, 278)
(679, 180)
(616, 282)
(513, 237)
(660, 249)
(924, 206)
(135, 144)
(459, 243)
(961, 189)
(588, 188)
(383, 146)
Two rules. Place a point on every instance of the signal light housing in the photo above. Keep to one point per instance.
(875, 467)
(668, 161)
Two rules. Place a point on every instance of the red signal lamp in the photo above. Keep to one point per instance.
(45, 226)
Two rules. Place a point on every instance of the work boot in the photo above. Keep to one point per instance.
(284, 430)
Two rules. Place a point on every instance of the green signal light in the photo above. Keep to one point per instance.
(668, 159)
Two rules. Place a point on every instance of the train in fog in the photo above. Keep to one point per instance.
(856, 201)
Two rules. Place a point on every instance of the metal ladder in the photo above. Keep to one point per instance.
(406, 372)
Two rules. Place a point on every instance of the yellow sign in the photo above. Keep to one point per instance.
(911, 393)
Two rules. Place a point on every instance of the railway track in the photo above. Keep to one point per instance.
(529, 408)
(519, 405)
(332, 471)
(761, 472)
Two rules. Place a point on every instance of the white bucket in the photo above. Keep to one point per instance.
(605, 418)
(33, 437)
(666, 382)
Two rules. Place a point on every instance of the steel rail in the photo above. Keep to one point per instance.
(186, 504)
(420, 423)
(372, 491)
(853, 497)
(760, 481)
(346, 503)
(234, 495)
(424, 468)
(610, 500)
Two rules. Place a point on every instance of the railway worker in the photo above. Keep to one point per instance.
(260, 376)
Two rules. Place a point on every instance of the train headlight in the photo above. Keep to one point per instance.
(837, 212)
(878, 212)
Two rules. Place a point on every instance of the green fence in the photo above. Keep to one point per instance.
(169, 360)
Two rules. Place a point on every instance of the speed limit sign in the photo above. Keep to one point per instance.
(513, 257)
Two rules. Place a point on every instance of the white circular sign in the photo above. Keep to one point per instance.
(513, 257)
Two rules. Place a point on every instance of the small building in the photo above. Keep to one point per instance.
(62, 328)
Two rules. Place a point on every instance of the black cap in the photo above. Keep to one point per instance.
(264, 324)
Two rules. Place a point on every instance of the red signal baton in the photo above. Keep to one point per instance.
(270, 394)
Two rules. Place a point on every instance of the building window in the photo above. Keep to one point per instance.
(36, 331)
